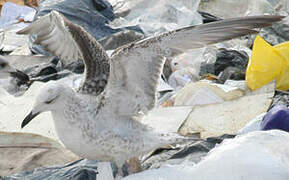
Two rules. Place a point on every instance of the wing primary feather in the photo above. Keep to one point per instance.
(136, 67)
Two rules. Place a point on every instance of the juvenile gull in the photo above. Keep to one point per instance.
(101, 120)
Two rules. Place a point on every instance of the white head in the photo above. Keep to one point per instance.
(50, 97)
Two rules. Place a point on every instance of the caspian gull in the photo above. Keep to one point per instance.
(101, 119)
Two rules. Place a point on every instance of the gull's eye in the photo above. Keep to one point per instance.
(50, 101)
(3, 65)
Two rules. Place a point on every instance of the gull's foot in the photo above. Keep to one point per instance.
(131, 166)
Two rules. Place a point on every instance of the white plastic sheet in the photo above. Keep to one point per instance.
(159, 16)
(9, 24)
(258, 155)
(232, 8)
(11, 13)
(228, 117)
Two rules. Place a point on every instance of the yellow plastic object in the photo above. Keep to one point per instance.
(268, 63)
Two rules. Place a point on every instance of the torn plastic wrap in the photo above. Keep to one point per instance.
(160, 16)
(193, 151)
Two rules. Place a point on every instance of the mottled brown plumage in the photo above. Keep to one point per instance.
(108, 126)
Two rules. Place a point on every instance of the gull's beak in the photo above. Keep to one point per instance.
(28, 118)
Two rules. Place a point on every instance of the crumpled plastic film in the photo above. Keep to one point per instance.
(268, 63)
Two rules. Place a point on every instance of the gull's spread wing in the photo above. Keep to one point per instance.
(71, 42)
(136, 68)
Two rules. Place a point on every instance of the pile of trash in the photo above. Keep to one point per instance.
(230, 98)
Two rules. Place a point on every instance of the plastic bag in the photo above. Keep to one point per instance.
(276, 118)
(268, 63)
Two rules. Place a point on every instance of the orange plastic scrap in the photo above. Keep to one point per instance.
(268, 63)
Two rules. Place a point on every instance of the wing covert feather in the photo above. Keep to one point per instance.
(70, 42)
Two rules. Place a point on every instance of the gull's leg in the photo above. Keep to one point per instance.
(119, 174)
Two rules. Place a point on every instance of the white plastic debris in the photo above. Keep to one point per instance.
(24, 152)
(227, 8)
(192, 58)
(230, 116)
(159, 16)
(257, 155)
(253, 125)
(163, 86)
(11, 19)
(186, 66)
(182, 77)
(203, 93)
(11, 14)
